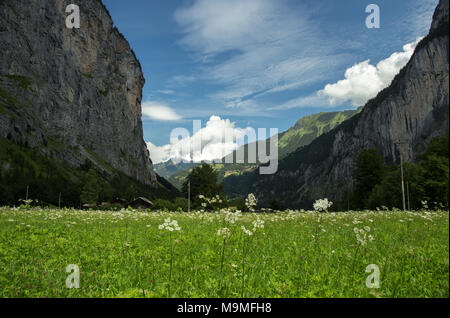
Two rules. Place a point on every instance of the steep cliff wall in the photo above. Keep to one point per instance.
(414, 109)
(74, 94)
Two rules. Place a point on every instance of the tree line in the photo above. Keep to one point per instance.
(377, 185)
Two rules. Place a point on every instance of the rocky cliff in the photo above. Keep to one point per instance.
(73, 94)
(412, 111)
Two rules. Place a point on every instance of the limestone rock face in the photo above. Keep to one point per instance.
(74, 94)
(413, 110)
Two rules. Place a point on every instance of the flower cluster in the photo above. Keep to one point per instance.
(224, 233)
(356, 221)
(247, 232)
(258, 224)
(322, 205)
(362, 235)
(251, 202)
(232, 217)
(210, 202)
(170, 225)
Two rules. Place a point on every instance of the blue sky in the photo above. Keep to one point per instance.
(262, 63)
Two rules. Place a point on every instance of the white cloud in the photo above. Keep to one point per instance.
(159, 111)
(158, 154)
(253, 48)
(213, 27)
(210, 139)
(314, 100)
(364, 81)
(256, 46)
(181, 80)
(166, 91)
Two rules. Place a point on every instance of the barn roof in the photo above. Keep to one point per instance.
(141, 200)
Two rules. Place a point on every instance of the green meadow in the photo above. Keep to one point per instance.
(292, 254)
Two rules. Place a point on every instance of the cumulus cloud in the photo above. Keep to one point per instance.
(207, 144)
(364, 81)
(158, 154)
(159, 111)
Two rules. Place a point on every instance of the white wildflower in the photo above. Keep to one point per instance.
(258, 224)
(251, 202)
(224, 233)
(232, 217)
(322, 205)
(362, 235)
(170, 225)
(247, 232)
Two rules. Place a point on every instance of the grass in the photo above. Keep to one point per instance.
(302, 254)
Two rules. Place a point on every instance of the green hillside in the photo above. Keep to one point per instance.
(168, 168)
(309, 128)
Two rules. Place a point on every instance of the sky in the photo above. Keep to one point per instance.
(243, 64)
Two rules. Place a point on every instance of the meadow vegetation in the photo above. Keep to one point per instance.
(130, 253)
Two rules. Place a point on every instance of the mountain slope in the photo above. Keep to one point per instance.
(414, 109)
(72, 94)
(309, 128)
(168, 168)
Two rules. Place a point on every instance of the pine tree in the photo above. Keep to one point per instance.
(368, 173)
(203, 181)
(91, 189)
